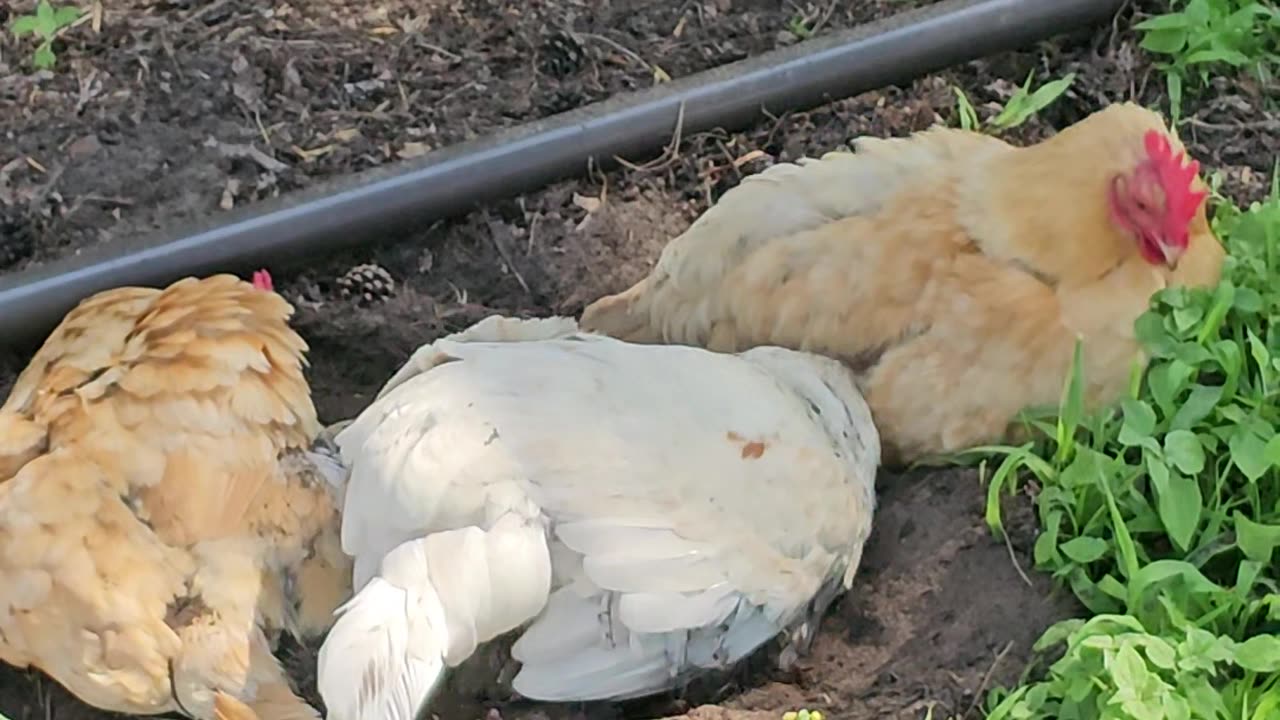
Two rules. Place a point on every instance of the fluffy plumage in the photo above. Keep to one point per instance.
(162, 511)
(952, 270)
(642, 513)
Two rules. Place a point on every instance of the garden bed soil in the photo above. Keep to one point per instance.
(173, 110)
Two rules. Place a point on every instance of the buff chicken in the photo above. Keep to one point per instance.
(165, 507)
(951, 270)
(638, 514)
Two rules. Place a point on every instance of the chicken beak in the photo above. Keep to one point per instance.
(1171, 255)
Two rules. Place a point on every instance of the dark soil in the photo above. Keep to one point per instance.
(177, 109)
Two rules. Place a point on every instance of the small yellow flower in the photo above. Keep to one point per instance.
(802, 715)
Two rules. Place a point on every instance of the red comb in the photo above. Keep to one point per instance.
(1181, 201)
(262, 280)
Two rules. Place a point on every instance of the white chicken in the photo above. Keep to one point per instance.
(645, 512)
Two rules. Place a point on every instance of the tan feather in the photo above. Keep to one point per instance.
(953, 270)
(152, 443)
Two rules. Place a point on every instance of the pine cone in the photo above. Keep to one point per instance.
(561, 55)
(367, 284)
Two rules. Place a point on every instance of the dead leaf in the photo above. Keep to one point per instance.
(413, 150)
(346, 134)
(590, 204)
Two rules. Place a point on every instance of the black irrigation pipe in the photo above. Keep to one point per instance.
(375, 204)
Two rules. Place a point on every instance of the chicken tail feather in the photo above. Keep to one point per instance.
(384, 655)
(432, 602)
(226, 707)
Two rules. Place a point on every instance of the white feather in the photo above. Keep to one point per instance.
(383, 655)
(690, 504)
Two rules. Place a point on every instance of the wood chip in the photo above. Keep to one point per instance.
(228, 200)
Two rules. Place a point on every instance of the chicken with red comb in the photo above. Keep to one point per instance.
(953, 270)
(167, 504)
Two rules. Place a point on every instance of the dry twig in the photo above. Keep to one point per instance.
(669, 154)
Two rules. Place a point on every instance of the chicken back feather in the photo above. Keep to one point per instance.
(162, 509)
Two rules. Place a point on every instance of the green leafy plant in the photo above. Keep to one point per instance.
(46, 24)
(1205, 36)
(1021, 106)
(800, 26)
(1162, 514)
(1113, 669)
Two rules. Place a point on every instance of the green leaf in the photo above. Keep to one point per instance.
(1260, 653)
(1022, 106)
(1257, 541)
(67, 15)
(1150, 331)
(1170, 21)
(1139, 422)
(1160, 571)
(1173, 85)
(1071, 405)
(1206, 702)
(43, 56)
(1249, 453)
(1180, 505)
(24, 25)
(1165, 41)
(1159, 652)
(1084, 549)
(44, 13)
(1175, 707)
(1184, 450)
(1231, 57)
(964, 108)
(1224, 296)
(1199, 404)
(1129, 672)
(1271, 453)
(1166, 381)
(1248, 300)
